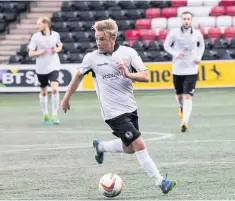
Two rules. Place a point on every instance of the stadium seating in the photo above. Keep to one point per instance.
(143, 25)
(9, 11)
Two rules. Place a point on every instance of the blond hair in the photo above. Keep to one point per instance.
(108, 26)
(45, 20)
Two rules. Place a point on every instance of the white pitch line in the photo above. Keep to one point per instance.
(77, 146)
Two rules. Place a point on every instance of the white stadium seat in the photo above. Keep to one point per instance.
(224, 21)
(196, 11)
(194, 2)
(206, 21)
(159, 23)
(174, 22)
(211, 2)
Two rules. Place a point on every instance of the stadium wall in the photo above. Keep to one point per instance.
(22, 78)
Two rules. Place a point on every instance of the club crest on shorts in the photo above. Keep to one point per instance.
(129, 135)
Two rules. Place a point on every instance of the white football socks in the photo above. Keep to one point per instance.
(114, 146)
(149, 166)
(187, 109)
(43, 104)
(55, 101)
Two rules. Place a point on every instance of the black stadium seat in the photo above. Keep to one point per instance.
(135, 14)
(75, 26)
(96, 5)
(125, 24)
(15, 59)
(139, 45)
(59, 26)
(82, 36)
(155, 45)
(66, 37)
(23, 50)
(221, 43)
(126, 4)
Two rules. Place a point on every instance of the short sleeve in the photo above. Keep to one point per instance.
(136, 62)
(33, 43)
(84, 67)
(58, 41)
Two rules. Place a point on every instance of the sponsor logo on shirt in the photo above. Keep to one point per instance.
(104, 64)
(111, 75)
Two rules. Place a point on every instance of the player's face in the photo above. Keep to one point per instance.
(41, 26)
(186, 20)
(104, 41)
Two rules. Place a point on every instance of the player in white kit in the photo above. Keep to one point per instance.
(186, 45)
(45, 46)
(114, 67)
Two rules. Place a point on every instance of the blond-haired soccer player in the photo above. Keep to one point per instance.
(186, 45)
(114, 67)
(45, 46)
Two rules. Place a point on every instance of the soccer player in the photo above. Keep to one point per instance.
(45, 46)
(186, 45)
(114, 67)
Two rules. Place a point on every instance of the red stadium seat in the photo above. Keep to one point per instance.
(169, 12)
(230, 10)
(214, 33)
(162, 34)
(217, 11)
(148, 34)
(132, 34)
(227, 3)
(143, 24)
(203, 31)
(178, 3)
(229, 33)
(153, 13)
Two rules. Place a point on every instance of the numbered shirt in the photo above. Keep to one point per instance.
(49, 62)
(191, 43)
(114, 91)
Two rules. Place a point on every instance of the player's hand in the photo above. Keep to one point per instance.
(65, 104)
(180, 55)
(53, 50)
(197, 62)
(42, 52)
(123, 68)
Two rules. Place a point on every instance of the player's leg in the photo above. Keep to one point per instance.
(178, 84)
(43, 97)
(55, 96)
(132, 142)
(189, 88)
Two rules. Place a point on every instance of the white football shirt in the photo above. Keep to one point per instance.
(115, 92)
(186, 41)
(48, 62)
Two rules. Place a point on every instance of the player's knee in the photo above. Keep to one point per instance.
(138, 144)
(43, 92)
(128, 150)
(188, 96)
(54, 90)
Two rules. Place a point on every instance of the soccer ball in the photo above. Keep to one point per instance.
(110, 185)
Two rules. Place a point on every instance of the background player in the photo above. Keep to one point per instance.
(45, 45)
(186, 45)
(113, 69)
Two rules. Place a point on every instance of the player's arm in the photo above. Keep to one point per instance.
(170, 39)
(201, 48)
(141, 74)
(59, 45)
(75, 82)
(32, 48)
